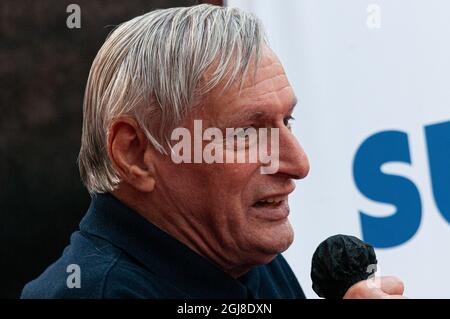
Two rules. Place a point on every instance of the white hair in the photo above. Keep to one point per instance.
(152, 68)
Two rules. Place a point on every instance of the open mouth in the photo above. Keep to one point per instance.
(274, 208)
(270, 202)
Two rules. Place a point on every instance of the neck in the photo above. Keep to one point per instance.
(184, 230)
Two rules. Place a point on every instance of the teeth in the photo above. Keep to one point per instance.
(272, 200)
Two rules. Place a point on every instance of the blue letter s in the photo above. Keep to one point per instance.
(378, 149)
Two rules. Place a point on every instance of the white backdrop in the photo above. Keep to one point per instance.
(359, 70)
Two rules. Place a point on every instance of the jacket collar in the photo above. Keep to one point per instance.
(161, 253)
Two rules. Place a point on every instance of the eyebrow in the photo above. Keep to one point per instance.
(249, 115)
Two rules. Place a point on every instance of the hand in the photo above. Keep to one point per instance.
(386, 287)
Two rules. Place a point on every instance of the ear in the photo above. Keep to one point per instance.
(130, 154)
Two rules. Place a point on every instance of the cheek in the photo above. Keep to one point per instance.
(226, 191)
(182, 186)
(213, 189)
(234, 183)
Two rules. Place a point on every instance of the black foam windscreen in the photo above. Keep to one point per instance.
(338, 263)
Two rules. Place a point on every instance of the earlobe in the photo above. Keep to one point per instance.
(128, 150)
(144, 177)
(141, 179)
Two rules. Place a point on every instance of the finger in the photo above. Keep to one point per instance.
(394, 297)
(392, 285)
(364, 290)
(380, 294)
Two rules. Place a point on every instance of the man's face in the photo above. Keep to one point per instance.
(225, 208)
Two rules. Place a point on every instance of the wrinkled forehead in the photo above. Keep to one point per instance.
(263, 87)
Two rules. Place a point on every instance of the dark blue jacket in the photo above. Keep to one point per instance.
(122, 255)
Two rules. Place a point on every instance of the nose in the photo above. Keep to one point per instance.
(293, 159)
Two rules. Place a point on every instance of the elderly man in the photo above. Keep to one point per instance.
(166, 222)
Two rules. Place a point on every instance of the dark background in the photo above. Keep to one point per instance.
(43, 71)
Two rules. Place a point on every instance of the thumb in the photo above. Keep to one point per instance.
(392, 285)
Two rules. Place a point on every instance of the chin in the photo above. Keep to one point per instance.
(274, 241)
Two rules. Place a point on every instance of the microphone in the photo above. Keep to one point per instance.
(338, 263)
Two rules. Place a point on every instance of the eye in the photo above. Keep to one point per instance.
(288, 121)
(244, 132)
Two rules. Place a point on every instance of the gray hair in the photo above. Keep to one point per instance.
(153, 68)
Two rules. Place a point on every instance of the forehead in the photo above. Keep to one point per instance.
(268, 90)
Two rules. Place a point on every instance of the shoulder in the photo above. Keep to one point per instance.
(91, 267)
